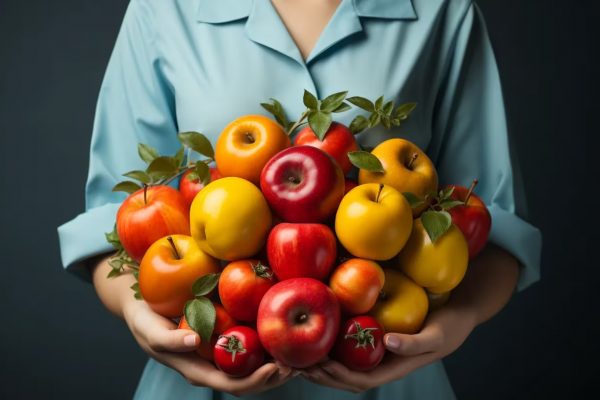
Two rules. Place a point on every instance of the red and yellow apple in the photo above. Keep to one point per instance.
(148, 215)
(169, 269)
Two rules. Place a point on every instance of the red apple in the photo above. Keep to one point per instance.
(190, 188)
(150, 214)
(301, 250)
(298, 321)
(349, 184)
(473, 218)
(303, 184)
(338, 141)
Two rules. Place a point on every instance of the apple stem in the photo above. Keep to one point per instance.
(470, 192)
(145, 192)
(298, 123)
(249, 137)
(172, 243)
(379, 193)
(412, 160)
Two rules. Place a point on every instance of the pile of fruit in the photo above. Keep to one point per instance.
(269, 250)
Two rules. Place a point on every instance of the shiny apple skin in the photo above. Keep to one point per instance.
(338, 142)
(297, 342)
(190, 188)
(141, 223)
(301, 250)
(303, 184)
(473, 219)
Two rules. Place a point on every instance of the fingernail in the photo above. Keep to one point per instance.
(327, 368)
(189, 340)
(392, 342)
(296, 373)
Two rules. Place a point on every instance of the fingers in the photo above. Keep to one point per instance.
(173, 340)
(159, 334)
(428, 340)
(259, 381)
(319, 376)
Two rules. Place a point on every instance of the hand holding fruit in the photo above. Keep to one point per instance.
(444, 331)
(175, 348)
(284, 307)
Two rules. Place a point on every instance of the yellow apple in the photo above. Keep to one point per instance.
(373, 221)
(437, 266)
(230, 219)
(406, 168)
(402, 305)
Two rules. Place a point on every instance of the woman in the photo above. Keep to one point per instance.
(198, 64)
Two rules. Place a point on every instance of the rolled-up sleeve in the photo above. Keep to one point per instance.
(135, 105)
(470, 140)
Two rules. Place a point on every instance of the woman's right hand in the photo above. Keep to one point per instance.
(159, 337)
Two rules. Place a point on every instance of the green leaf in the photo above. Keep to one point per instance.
(448, 204)
(162, 168)
(385, 121)
(113, 238)
(116, 263)
(365, 160)
(358, 124)
(413, 199)
(379, 103)
(362, 102)
(138, 296)
(374, 119)
(205, 284)
(126, 186)
(197, 142)
(436, 223)
(200, 315)
(202, 171)
(147, 153)
(446, 193)
(113, 273)
(139, 176)
(387, 108)
(179, 156)
(276, 109)
(319, 122)
(310, 101)
(342, 107)
(192, 176)
(333, 101)
(403, 111)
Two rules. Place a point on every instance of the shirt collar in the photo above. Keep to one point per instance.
(223, 11)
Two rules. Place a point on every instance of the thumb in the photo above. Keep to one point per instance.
(173, 340)
(412, 345)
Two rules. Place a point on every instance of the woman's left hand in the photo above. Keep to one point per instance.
(444, 331)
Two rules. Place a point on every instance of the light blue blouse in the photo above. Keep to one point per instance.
(182, 65)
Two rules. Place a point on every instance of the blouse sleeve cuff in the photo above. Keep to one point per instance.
(83, 237)
(521, 239)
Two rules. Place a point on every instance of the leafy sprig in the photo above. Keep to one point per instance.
(381, 112)
(161, 170)
(121, 261)
(436, 219)
(200, 312)
(318, 113)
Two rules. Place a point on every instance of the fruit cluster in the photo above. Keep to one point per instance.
(275, 251)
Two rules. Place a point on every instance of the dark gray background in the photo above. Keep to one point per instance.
(56, 339)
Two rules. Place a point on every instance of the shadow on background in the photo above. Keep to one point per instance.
(57, 340)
